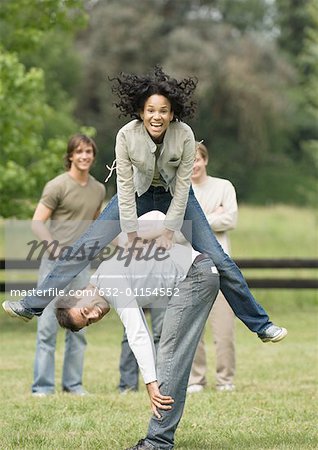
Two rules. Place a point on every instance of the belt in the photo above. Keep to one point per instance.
(201, 257)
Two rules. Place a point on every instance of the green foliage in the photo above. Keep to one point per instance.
(298, 21)
(24, 23)
(250, 110)
(293, 18)
(23, 111)
(256, 62)
(244, 14)
(39, 72)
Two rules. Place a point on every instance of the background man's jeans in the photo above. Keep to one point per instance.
(106, 228)
(182, 327)
(75, 343)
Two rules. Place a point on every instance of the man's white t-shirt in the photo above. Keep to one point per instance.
(143, 282)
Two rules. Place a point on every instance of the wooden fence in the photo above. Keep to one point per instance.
(290, 282)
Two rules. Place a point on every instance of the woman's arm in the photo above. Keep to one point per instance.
(125, 186)
(175, 214)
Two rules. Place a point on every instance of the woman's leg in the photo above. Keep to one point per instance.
(232, 282)
(100, 233)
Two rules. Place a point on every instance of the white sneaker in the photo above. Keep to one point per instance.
(225, 387)
(273, 334)
(41, 394)
(194, 388)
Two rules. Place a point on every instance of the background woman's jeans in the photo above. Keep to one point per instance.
(107, 227)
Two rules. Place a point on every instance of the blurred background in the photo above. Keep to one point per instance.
(257, 97)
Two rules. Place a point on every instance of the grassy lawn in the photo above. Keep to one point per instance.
(273, 407)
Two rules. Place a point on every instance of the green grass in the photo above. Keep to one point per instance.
(276, 231)
(274, 406)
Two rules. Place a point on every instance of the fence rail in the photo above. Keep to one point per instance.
(243, 263)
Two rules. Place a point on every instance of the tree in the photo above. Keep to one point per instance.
(244, 109)
(36, 110)
(298, 22)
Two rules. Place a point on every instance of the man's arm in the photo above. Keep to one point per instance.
(141, 344)
(224, 217)
(41, 215)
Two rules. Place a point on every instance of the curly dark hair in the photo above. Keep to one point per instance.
(134, 90)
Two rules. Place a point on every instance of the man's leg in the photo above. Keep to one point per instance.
(44, 363)
(128, 368)
(183, 325)
(47, 328)
(72, 378)
(75, 345)
(157, 315)
(199, 368)
(223, 325)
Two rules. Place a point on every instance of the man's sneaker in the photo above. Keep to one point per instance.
(141, 445)
(16, 309)
(41, 394)
(225, 387)
(273, 334)
(79, 392)
(194, 388)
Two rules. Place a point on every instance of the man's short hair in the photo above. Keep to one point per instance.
(62, 312)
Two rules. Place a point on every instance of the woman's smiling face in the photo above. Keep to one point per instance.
(156, 116)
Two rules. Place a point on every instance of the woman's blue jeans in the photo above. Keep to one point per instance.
(107, 227)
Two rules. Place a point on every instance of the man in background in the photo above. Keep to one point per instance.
(70, 201)
(217, 199)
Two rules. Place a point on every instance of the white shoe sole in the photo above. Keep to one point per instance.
(277, 338)
(11, 313)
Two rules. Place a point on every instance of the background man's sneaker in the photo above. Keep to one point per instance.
(16, 309)
(41, 394)
(225, 387)
(273, 334)
(79, 392)
(194, 388)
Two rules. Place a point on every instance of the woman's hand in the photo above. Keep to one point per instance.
(157, 400)
(165, 240)
(134, 242)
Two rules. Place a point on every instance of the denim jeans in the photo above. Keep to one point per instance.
(75, 343)
(106, 228)
(128, 366)
(183, 324)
